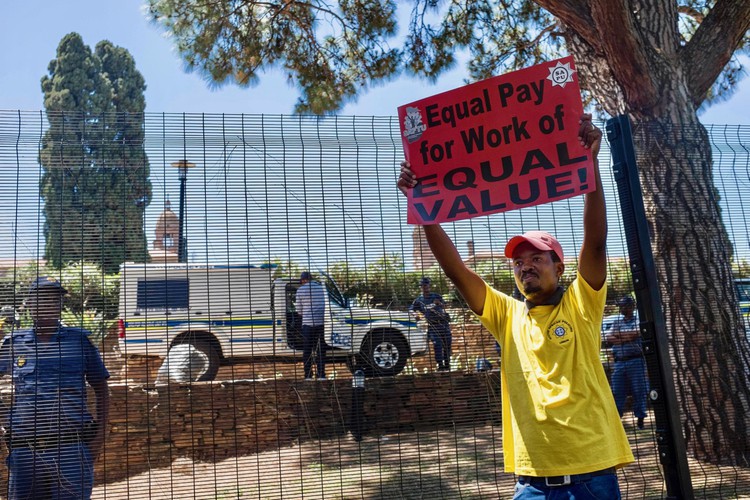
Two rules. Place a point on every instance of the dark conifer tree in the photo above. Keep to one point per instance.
(95, 182)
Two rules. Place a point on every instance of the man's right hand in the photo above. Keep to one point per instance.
(407, 179)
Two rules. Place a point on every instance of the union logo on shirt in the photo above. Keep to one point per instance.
(20, 361)
(560, 331)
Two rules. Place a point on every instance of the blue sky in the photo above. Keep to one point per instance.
(30, 31)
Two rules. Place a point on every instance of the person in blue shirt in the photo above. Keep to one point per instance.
(52, 438)
(432, 306)
(629, 374)
(311, 305)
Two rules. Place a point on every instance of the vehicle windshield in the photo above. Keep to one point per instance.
(334, 293)
(743, 290)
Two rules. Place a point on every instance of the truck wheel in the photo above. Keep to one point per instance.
(385, 354)
(190, 361)
(213, 360)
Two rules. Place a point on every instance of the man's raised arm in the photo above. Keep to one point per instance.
(468, 283)
(592, 261)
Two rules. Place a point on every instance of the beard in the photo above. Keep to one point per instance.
(530, 286)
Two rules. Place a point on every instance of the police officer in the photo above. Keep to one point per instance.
(432, 306)
(7, 320)
(52, 438)
(629, 375)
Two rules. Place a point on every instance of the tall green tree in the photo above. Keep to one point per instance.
(657, 61)
(95, 181)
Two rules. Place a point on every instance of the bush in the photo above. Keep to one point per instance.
(92, 300)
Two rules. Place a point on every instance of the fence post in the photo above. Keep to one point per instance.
(662, 395)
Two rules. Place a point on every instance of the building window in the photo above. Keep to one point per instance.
(168, 241)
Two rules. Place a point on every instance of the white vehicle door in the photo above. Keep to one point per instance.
(339, 321)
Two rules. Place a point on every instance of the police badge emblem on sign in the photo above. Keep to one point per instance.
(413, 126)
(500, 144)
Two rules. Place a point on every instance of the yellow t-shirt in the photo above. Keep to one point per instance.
(559, 416)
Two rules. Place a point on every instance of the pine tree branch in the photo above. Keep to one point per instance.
(712, 45)
(625, 52)
(575, 15)
(609, 28)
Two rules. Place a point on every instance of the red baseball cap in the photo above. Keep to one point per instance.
(538, 239)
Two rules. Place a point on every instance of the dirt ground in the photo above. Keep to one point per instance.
(440, 464)
(463, 462)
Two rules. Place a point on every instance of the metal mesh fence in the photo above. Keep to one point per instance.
(181, 248)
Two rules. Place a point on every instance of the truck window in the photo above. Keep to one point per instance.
(163, 294)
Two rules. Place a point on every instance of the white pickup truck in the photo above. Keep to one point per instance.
(231, 312)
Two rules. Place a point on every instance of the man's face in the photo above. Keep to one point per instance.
(425, 288)
(536, 274)
(627, 310)
(45, 305)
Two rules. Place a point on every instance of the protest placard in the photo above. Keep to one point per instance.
(500, 144)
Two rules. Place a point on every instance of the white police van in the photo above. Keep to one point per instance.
(229, 312)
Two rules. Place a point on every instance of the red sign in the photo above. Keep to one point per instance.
(503, 143)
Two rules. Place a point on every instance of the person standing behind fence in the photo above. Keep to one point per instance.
(562, 435)
(629, 374)
(311, 305)
(51, 436)
(7, 320)
(431, 304)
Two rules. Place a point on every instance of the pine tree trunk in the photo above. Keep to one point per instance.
(692, 251)
(693, 255)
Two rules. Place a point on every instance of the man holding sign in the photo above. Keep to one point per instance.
(561, 430)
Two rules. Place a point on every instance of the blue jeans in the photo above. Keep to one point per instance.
(314, 343)
(60, 473)
(629, 377)
(603, 487)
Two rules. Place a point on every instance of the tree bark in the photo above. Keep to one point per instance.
(693, 255)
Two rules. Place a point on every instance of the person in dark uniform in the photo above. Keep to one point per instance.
(432, 306)
(52, 438)
(7, 320)
(629, 375)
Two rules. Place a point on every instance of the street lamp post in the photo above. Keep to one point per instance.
(182, 167)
